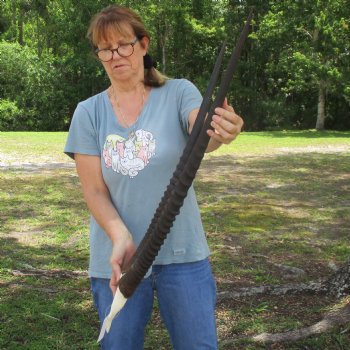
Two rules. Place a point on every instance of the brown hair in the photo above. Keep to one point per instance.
(115, 17)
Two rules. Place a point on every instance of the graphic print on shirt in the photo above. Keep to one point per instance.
(129, 156)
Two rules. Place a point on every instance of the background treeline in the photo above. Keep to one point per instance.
(294, 72)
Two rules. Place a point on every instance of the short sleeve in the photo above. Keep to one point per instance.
(82, 136)
(189, 99)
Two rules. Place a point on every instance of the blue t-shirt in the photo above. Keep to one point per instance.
(137, 164)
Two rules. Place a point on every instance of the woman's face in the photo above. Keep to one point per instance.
(124, 69)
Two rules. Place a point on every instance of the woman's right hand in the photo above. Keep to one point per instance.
(123, 250)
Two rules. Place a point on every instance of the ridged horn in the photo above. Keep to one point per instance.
(183, 176)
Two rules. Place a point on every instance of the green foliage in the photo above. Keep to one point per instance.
(10, 115)
(295, 48)
(307, 43)
(33, 85)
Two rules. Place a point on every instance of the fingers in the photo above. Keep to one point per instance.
(226, 123)
(122, 253)
(129, 253)
(227, 106)
(116, 273)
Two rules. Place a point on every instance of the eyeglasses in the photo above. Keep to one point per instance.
(124, 50)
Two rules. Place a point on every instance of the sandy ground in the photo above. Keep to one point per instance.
(16, 162)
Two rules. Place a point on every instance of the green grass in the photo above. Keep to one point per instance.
(47, 146)
(267, 143)
(269, 199)
(26, 147)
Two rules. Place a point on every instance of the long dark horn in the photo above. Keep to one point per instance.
(207, 98)
(166, 215)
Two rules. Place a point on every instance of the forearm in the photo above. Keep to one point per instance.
(105, 214)
(101, 207)
(98, 199)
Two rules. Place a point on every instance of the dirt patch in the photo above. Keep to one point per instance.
(25, 237)
(315, 149)
(36, 167)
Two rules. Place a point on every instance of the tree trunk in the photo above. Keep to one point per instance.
(38, 35)
(20, 27)
(330, 321)
(339, 283)
(14, 17)
(161, 39)
(164, 57)
(321, 115)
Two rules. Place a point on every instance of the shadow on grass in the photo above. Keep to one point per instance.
(291, 209)
(27, 193)
(265, 216)
(45, 302)
(43, 234)
(41, 310)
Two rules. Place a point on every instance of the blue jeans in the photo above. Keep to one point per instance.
(186, 296)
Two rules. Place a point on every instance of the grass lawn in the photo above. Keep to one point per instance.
(270, 200)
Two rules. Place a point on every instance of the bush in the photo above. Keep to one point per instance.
(10, 115)
(31, 90)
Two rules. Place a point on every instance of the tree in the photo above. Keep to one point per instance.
(30, 89)
(293, 67)
(186, 36)
(248, 92)
(309, 44)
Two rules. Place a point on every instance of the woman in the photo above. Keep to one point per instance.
(126, 142)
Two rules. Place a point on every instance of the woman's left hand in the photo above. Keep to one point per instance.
(226, 123)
